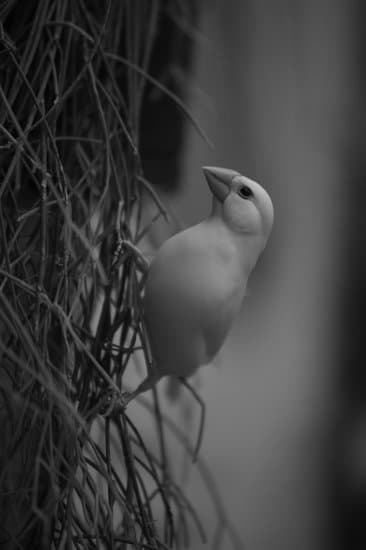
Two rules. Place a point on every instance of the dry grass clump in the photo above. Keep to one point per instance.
(72, 81)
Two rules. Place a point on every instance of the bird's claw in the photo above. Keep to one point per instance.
(115, 403)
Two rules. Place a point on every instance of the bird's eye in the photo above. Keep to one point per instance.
(245, 192)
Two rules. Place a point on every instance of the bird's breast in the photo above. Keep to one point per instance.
(194, 290)
(221, 308)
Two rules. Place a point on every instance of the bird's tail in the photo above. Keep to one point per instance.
(173, 388)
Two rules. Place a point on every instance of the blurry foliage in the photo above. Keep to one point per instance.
(72, 81)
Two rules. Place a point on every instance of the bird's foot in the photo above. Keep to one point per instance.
(115, 403)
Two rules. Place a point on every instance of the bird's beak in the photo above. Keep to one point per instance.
(219, 181)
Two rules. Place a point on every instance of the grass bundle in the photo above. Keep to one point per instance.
(72, 82)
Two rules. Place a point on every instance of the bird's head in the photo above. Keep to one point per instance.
(244, 205)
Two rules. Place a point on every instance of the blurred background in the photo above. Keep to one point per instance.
(279, 89)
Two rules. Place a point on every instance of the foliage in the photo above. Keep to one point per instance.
(72, 82)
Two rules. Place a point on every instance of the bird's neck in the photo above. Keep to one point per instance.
(216, 210)
(248, 247)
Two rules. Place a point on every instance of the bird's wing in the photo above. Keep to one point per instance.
(189, 302)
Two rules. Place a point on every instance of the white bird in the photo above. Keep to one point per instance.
(196, 283)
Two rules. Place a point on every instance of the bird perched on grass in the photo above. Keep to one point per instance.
(196, 283)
